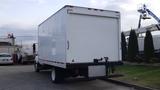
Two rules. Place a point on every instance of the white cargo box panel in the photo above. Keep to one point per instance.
(79, 35)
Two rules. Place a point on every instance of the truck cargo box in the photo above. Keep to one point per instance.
(79, 35)
(79, 41)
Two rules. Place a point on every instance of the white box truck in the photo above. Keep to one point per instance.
(78, 41)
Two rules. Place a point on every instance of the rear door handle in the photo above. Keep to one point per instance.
(67, 45)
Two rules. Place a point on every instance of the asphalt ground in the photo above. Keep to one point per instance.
(23, 77)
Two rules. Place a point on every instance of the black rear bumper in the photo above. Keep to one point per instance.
(83, 65)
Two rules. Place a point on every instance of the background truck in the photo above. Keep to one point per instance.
(78, 41)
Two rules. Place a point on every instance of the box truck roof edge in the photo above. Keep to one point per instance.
(78, 7)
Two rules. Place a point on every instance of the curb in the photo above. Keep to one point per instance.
(128, 84)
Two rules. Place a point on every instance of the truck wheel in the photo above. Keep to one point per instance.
(53, 75)
(37, 67)
(57, 75)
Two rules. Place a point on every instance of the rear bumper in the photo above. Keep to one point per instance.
(27, 60)
(82, 65)
(92, 70)
(6, 62)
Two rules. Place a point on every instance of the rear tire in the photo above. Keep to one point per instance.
(57, 75)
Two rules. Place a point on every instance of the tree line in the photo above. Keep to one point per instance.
(130, 50)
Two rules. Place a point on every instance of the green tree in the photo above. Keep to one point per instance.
(132, 46)
(123, 45)
(148, 47)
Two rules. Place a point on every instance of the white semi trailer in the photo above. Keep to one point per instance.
(156, 43)
(78, 41)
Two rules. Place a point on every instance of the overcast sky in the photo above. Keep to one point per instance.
(22, 17)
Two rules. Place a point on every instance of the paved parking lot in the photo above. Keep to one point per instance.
(18, 77)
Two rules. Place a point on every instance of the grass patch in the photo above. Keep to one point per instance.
(141, 75)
